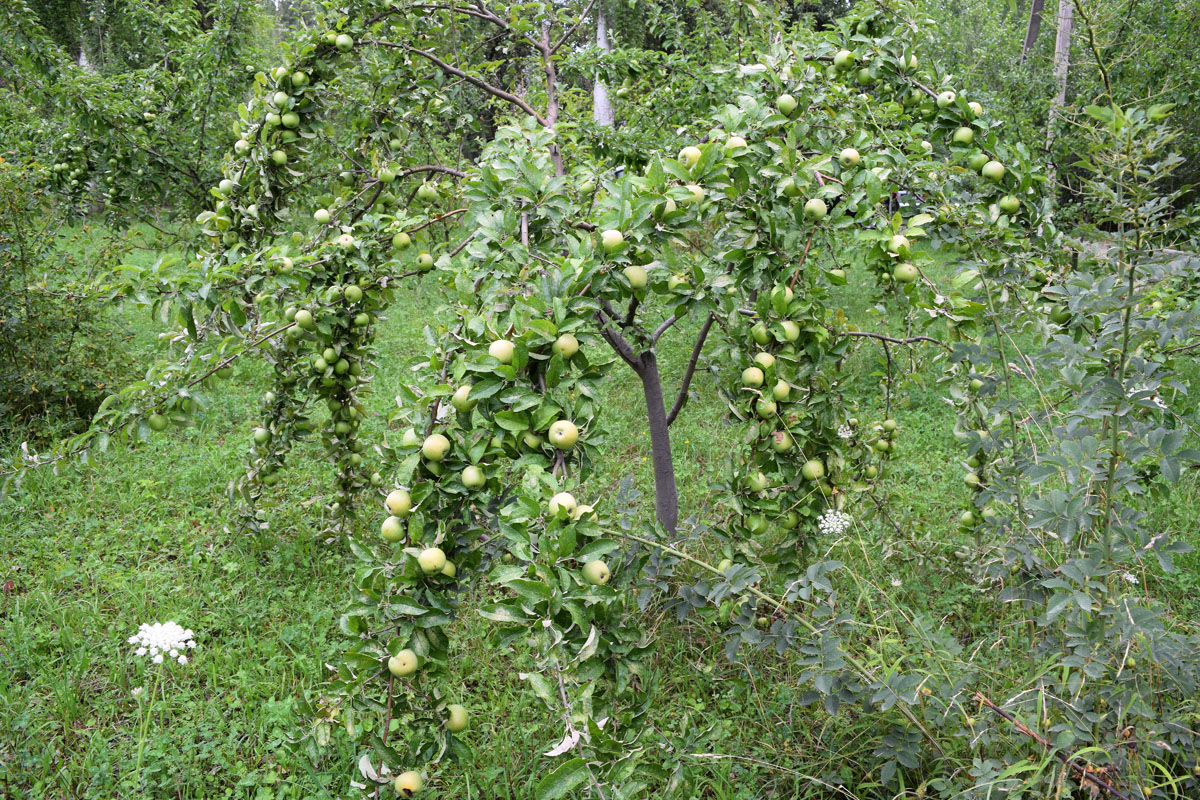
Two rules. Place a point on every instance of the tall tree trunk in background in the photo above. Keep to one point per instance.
(1034, 26)
(602, 111)
(1062, 65)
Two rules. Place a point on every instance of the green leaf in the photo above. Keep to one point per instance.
(566, 778)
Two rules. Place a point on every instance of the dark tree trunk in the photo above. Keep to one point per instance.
(666, 493)
(1035, 25)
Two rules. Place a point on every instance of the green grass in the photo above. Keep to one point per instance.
(88, 555)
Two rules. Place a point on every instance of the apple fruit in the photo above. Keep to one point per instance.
(791, 331)
(781, 441)
(611, 240)
(765, 408)
(790, 188)
(977, 161)
(431, 560)
(993, 171)
(636, 276)
(435, 447)
(449, 570)
(401, 240)
(241, 147)
(424, 262)
(752, 377)
(565, 345)
(408, 783)
(964, 136)
(473, 477)
(756, 481)
(461, 399)
(403, 664)
(697, 194)
(304, 319)
(843, 59)
(976, 109)
(946, 98)
(849, 157)
(813, 470)
(158, 422)
(760, 333)
(782, 390)
(724, 564)
(563, 501)
(1009, 204)
(764, 359)
(563, 434)
(677, 283)
(290, 120)
(392, 529)
(596, 573)
(971, 479)
(322, 216)
(815, 209)
(346, 241)
(786, 104)
(399, 503)
(502, 350)
(734, 142)
(278, 158)
(344, 42)
(353, 294)
(261, 435)
(427, 193)
(690, 156)
(299, 79)
(456, 718)
(905, 273)
(899, 244)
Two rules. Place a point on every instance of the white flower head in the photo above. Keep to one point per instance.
(162, 640)
(1129, 577)
(845, 432)
(138, 691)
(833, 523)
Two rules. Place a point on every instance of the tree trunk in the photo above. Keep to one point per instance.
(602, 111)
(1034, 26)
(1062, 65)
(666, 492)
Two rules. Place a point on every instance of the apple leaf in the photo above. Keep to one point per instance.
(565, 779)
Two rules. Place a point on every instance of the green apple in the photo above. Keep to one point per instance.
(473, 477)
(993, 171)
(502, 350)
(611, 240)
(782, 390)
(427, 193)
(399, 503)
(261, 435)
(760, 333)
(158, 422)
(697, 194)
(304, 319)
(241, 147)
(905, 273)
(756, 481)
(849, 157)
(403, 664)
(977, 161)
(435, 447)
(408, 784)
(964, 136)
(781, 441)
(385, 175)
(690, 156)
(431, 560)
(734, 142)
(564, 502)
(946, 98)
(899, 244)
(766, 409)
(344, 42)
(456, 718)
(563, 434)
(976, 109)
(636, 276)
(596, 573)
(724, 564)
(843, 59)
(790, 188)
(752, 377)
(677, 283)
(764, 360)
(346, 241)
(322, 216)
(1009, 204)
(791, 331)
(813, 470)
(290, 120)
(786, 104)
(392, 529)
(424, 262)
(401, 240)
(278, 158)
(815, 209)
(565, 345)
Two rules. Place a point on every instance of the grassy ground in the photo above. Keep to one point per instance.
(87, 556)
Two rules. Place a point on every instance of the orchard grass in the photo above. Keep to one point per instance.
(90, 554)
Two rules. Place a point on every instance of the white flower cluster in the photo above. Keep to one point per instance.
(163, 639)
(833, 523)
(845, 432)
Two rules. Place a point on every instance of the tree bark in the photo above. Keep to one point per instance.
(1062, 66)
(602, 111)
(666, 492)
(1034, 26)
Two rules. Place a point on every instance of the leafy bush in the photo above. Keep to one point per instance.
(58, 350)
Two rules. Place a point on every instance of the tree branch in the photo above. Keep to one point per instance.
(617, 341)
(663, 328)
(681, 398)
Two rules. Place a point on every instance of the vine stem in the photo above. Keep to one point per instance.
(859, 667)
(562, 693)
